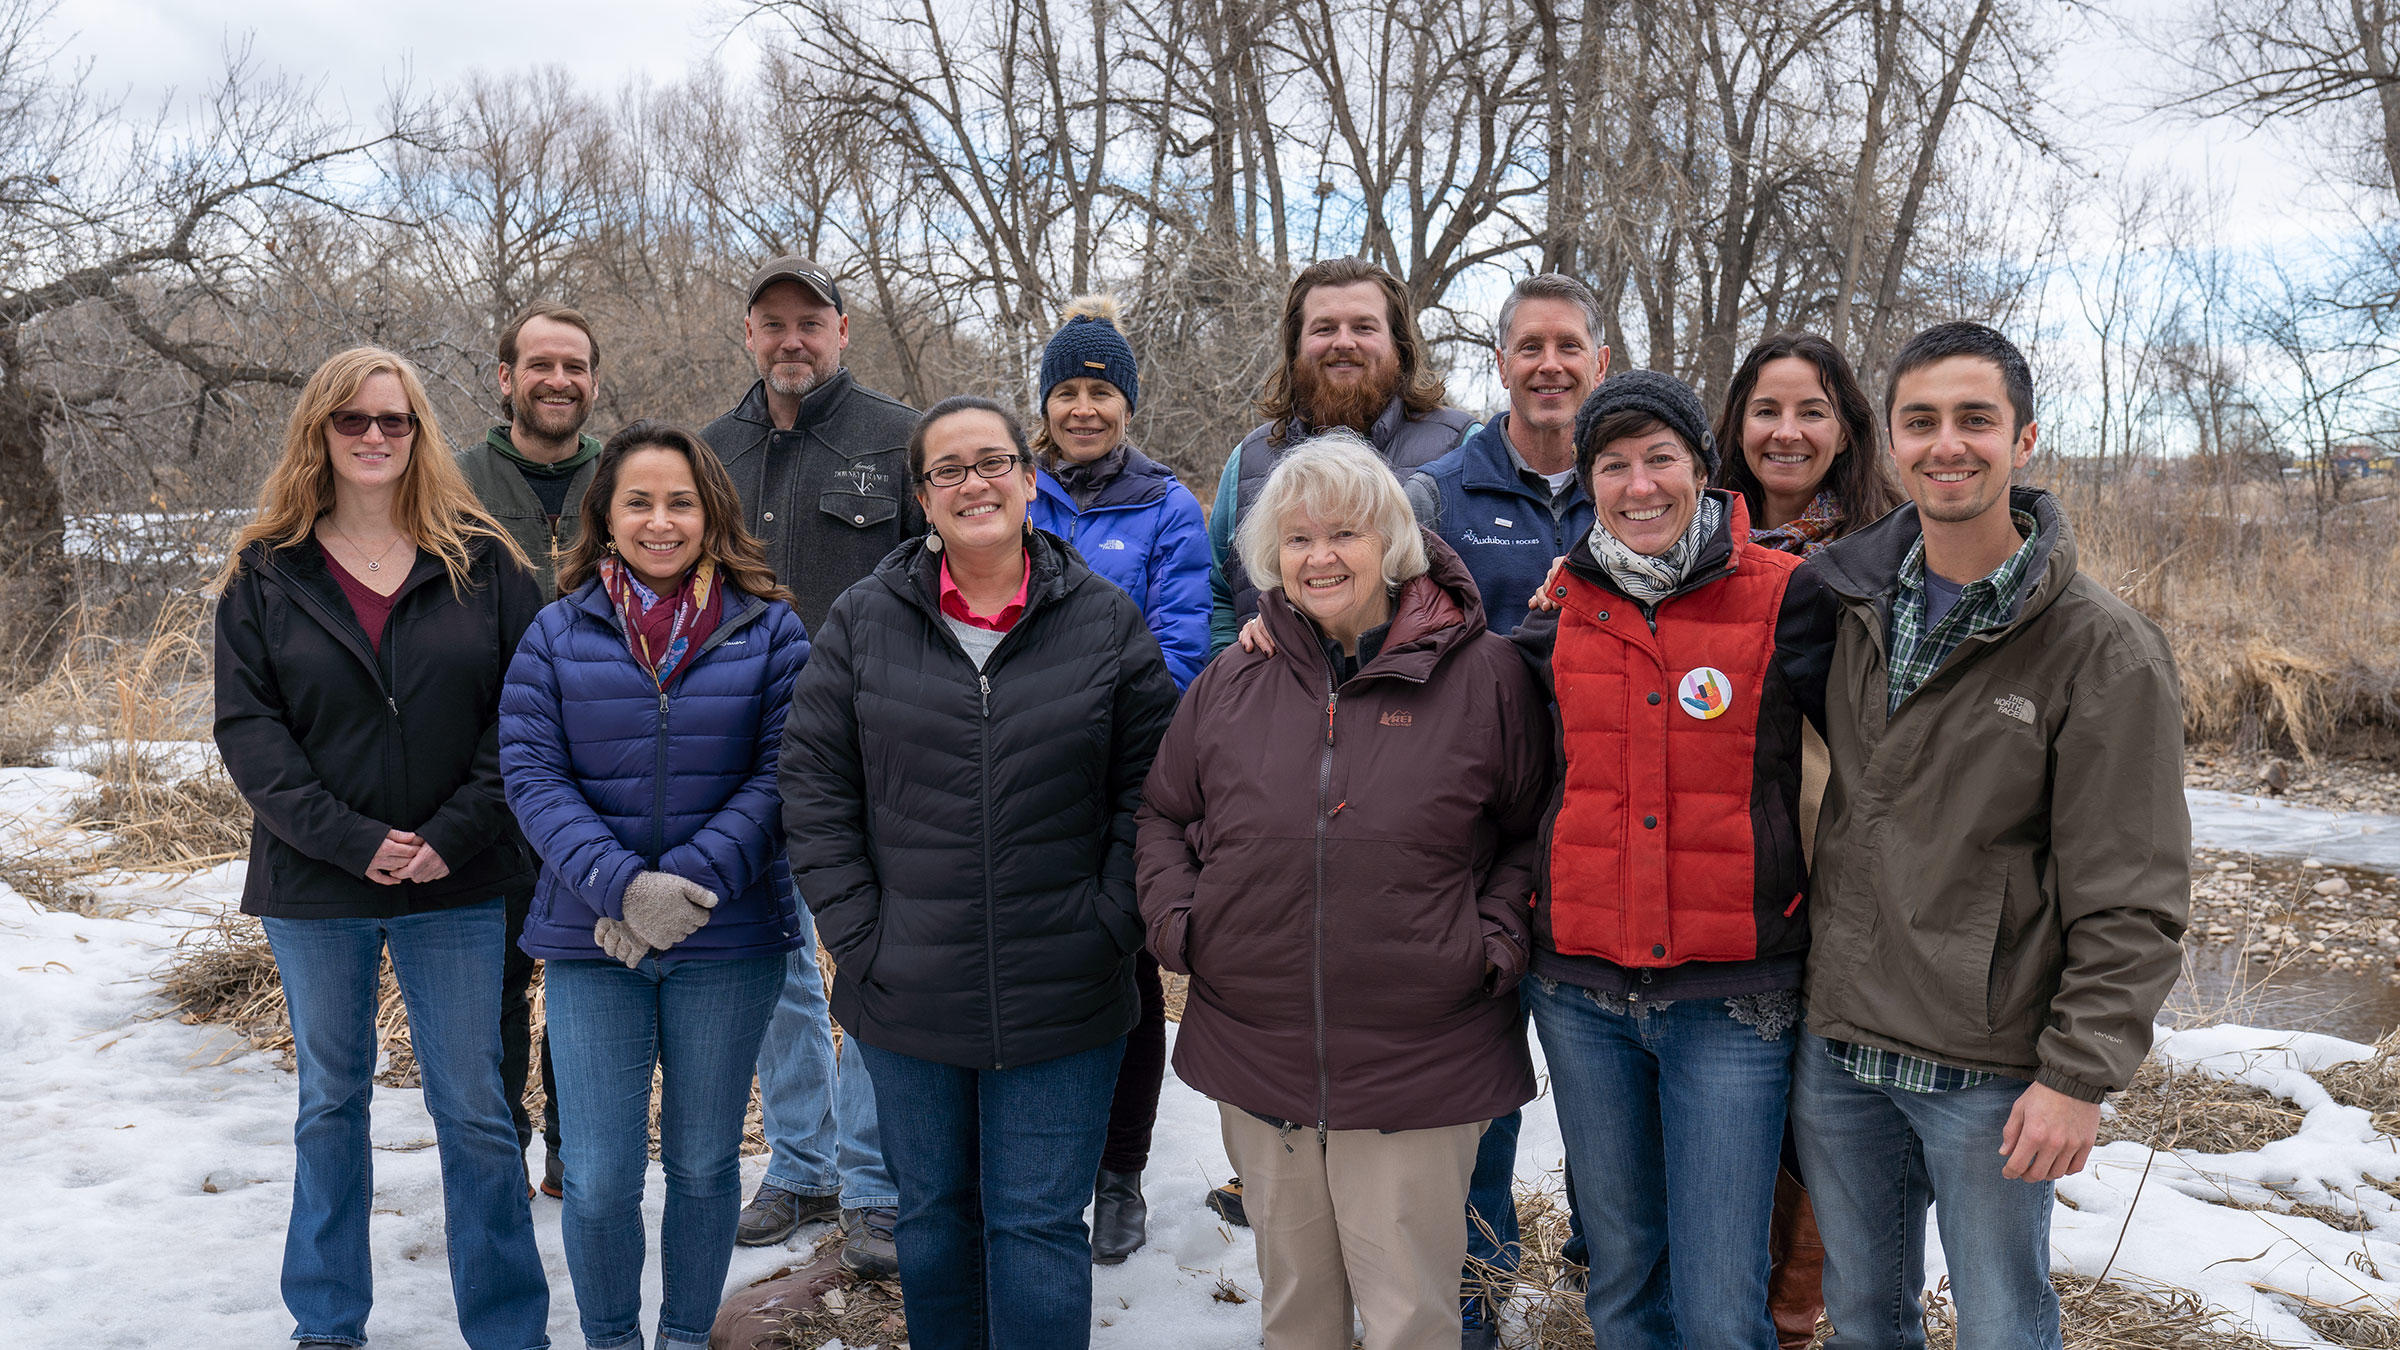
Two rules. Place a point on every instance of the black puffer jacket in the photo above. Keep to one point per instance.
(334, 744)
(965, 839)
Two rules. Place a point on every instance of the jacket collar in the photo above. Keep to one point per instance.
(1864, 567)
(1431, 617)
(592, 598)
(1492, 464)
(914, 573)
(1142, 481)
(814, 405)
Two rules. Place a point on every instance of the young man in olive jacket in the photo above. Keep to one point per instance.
(530, 473)
(2002, 867)
(821, 463)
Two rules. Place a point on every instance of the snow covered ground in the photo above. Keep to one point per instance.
(149, 1164)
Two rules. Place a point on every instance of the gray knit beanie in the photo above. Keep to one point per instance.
(1662, 396)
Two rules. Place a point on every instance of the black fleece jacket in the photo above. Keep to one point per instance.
(334, 744)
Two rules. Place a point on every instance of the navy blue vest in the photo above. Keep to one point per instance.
(1501, 526)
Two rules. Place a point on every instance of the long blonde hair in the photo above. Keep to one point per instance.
(434, 505)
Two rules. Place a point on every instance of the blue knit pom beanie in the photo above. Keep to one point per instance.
(1088, 344)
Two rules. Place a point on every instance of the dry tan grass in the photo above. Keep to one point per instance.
(2196, 1113)
(2284, 627)
(2357, 1325)
(2112, 1315)
(2371, 1084)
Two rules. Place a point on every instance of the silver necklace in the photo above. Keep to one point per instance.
(374, 564)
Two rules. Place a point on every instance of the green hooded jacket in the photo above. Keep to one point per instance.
(497, 473)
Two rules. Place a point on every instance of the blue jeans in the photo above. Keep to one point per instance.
(995, 1167)
(1875, 1157)
(1673, 1122)
(1493, 1249)
(698, 1021)
(819, 1116)
(448, 964)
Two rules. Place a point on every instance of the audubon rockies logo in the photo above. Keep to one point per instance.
(865, 479)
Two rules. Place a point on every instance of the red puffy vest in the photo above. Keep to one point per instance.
(1669, 844)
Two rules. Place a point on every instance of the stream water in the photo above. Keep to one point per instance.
(2221, 982)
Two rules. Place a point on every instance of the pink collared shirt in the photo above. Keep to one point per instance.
(955, 604)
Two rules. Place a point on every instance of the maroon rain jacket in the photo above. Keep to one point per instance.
(1336, 867)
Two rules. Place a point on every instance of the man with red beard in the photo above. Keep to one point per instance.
(530, 473)
(1352, 357)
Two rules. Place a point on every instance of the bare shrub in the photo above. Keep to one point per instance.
(2190, 1111)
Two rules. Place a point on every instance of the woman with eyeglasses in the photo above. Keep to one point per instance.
(364, 627)
(960, 770)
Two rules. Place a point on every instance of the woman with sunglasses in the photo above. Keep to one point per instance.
(964, 755)
(363, 629)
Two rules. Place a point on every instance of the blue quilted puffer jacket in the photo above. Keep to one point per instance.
(610, 778)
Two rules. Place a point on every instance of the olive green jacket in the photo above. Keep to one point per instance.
(511, 501)
(2003, 865)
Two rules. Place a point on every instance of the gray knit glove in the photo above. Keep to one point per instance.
(663, 909)
(619, 942)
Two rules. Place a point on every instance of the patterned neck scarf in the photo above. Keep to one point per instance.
(663, 631)
(1807, 532)
(1649, 579)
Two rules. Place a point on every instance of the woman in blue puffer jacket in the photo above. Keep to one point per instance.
(1133, 521)
(1139, 527)
(639, 730)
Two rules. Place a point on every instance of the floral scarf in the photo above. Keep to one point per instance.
(664, 631)
(1807, 532)
(1650, 580)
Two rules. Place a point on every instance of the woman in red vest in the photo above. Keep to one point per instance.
(1670, 922)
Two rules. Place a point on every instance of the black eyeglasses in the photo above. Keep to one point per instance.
(990, 466)
(393, 425)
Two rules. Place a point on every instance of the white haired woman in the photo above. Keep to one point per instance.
(1352, 1005)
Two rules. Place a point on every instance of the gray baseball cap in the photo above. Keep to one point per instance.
(812, 277)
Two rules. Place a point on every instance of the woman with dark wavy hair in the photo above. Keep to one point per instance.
(638, 733)
(1809, 468)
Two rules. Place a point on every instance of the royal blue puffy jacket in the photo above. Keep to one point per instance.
(610, 778)
(1144, 533)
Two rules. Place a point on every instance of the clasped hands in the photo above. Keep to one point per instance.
(661, 909)
(403, 856)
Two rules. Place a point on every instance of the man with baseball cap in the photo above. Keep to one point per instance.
(821, 463)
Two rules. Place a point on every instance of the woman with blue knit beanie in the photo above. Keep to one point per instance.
(1139, 527)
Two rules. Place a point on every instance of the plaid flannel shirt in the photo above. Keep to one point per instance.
(1917, 652)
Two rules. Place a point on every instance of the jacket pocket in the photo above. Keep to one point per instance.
(1968, 962)
(858, 510)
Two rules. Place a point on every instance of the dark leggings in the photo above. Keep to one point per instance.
(1133, 1112)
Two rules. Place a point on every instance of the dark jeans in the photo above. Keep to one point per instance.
(995, 1167)
(516, 1036)
(1133, 1112)
(1493, 1249)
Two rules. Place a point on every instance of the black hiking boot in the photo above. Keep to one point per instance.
(1120, 1217)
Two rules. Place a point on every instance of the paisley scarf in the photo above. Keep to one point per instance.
(1807, 532)
(662, 630)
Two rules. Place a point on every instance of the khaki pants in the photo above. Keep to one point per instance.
(1366, 1217)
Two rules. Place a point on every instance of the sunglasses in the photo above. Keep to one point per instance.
(392, 425)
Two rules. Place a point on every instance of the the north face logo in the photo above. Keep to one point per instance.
(1398, 718)
(2015, 705)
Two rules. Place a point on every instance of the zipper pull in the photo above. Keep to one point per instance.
(984, 682)
(1333, 699)
(392, 703)
(662, 702)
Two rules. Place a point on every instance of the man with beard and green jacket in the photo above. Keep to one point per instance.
(530, 473)
(531, 470)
